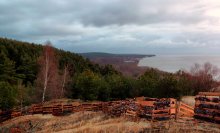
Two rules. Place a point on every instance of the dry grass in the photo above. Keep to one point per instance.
(97, 122)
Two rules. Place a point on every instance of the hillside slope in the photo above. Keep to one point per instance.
(94, 122)
(25, 55)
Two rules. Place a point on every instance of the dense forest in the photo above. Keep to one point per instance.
(33, 73)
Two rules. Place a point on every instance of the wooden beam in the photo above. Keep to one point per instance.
(209, 93)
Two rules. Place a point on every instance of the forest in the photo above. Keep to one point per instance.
(34, 73)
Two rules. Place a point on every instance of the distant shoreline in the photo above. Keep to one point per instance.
(173, 63)
(92, 55)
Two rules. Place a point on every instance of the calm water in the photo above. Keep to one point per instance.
(173, 63)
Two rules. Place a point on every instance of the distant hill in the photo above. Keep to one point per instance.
(125, 63)
(111, 55)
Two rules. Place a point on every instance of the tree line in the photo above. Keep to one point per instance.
(32, 73)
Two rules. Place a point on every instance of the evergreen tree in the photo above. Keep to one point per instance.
(7, 96)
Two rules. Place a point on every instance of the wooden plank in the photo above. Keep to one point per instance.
(209, 93)
(162, 110)
(217, 118)
(186, 110)
(185, 114)
(16, 114)
(186, 106)
(205, 116)
(146, 103)
(173, 111)
(140, 98)
(210, 110)
(204, 102)
(161, 115)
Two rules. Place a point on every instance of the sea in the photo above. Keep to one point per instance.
(173, 63)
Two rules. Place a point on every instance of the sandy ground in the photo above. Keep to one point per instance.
(190, 100)
(97, 122)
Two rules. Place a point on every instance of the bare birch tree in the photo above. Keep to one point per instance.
(65, 78)
(47, 76)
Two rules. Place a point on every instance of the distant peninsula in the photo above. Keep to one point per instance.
(92, 55)
(127, 64)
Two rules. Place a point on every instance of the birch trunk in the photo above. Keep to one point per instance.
(64, 81)
(46, 76)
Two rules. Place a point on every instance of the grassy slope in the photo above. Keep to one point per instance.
(91, 122)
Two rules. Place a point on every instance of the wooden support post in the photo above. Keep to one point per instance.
(176, 107)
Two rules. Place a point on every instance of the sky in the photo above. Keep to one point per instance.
(116, 26)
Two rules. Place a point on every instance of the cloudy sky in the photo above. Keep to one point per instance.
(118, 26)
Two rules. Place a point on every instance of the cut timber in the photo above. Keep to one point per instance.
(16, 114)
(67, 108)
(207, 106)
(160, 111)
(172, 111)
(146, 103)
(185, 110)
(140, 98)
(47, 109)
(209, 93)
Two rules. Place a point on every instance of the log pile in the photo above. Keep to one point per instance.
(118, 108)
(153, 107)
(56, 110)
(5, 115)
(16, 113)
(96, 106)
(36, 109)
(207, 106)
(76, 107)
(67, 108)
(157, 108)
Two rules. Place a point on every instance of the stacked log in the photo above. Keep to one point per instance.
(5, 115)
(47, 109)
(16, 113)
(156, 108)
(57, 110)
(36, 109)
(150, 106)
(76, 107)
(96, 106)
(67, 108)
(118, 108)
(207, 106)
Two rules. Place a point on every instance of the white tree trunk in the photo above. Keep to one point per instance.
(64, 81)
(46, 77)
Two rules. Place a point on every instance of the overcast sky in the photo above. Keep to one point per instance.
(118, 26)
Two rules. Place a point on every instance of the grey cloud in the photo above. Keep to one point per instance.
(100, 13)
(110, 25)
(139, 12)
